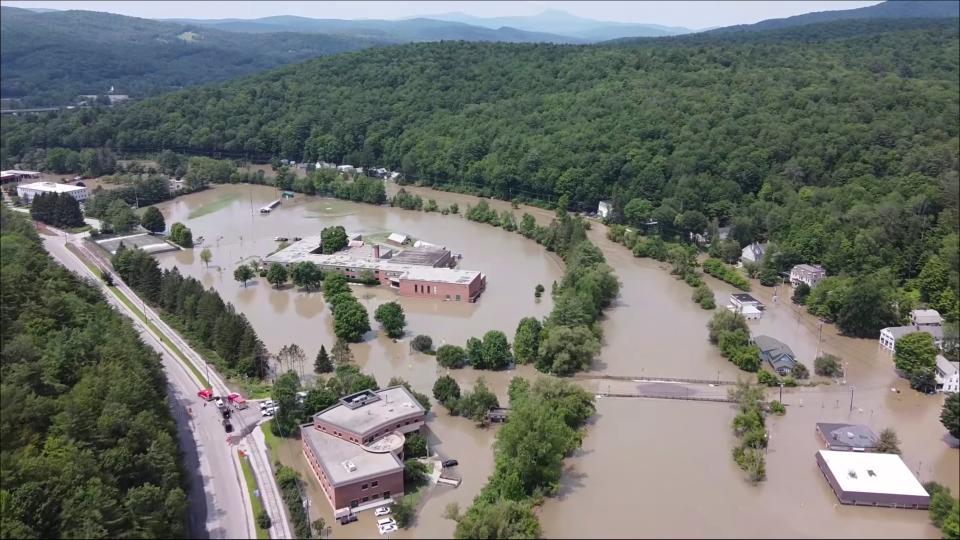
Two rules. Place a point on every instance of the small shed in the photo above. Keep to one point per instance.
(397, 238)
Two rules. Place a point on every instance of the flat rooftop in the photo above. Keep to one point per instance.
(872, 473)
(345, 462)
(50, 186)
(744, 298)
(359, 259)
(422, 256)
(395, 404)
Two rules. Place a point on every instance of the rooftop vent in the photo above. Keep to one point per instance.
(349, 466)
(852, 473)
(871, 473)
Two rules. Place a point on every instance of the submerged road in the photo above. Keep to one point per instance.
(219, 506)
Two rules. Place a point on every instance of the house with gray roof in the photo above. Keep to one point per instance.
(776, 353)
(890, 335)
(753, 253)
(847, 437)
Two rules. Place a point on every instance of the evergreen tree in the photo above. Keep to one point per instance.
(322, 364)
(152, 220)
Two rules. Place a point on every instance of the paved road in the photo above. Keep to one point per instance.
(221, 507)
(254, 447)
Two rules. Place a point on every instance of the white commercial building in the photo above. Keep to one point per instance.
(27, 192)
(872, 479)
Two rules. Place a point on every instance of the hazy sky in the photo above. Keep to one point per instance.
(690, 14)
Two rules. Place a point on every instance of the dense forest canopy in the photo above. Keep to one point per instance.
(838, 140)
(87, 443)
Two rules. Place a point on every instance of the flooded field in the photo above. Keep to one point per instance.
(648, 467)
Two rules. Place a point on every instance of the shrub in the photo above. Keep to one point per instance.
(451, 356)
(777, 408)
(263, 520)
(827, 366)
(800, 371)
(800, 293)
(766, 378)
(422, 343)
(719, 270)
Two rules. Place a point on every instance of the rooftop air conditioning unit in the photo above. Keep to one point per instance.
(349, 466)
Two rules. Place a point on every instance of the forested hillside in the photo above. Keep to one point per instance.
(50, 58)
(87, 444)
(838, 141)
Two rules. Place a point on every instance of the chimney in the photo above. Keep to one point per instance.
(376, 252)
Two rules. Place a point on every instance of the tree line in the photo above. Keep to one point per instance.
(545, 426)
(199, 311)
(57, 209)
(90, 448)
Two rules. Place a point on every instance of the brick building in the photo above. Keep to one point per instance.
(355, 447)
(423, 271)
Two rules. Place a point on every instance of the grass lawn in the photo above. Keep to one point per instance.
(75, 230)
(254, 500)
(209, 208)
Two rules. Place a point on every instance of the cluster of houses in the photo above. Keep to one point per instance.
(929, 321)
(379, 172)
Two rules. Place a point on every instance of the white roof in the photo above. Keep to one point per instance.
(18, 172)
(872, 473)
(346, 462)
(51, 187)
(926, 316)
(395, 403)
(397, 237)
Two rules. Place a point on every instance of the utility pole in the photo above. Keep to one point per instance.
(781, 392)
(820, 339)
(851, 398)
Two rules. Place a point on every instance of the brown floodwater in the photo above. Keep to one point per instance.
(647, 467)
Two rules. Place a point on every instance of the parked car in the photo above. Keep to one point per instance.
(225, 411)
(386, 525)
(349, 518)
(450, 463)
(206, 394)
(219, 401)
(227, 426)
(382, 511)
(270, 411)
(266, 404)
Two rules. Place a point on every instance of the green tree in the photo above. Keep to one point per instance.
(446, 390)
(341, 353)
(121, 218)
(950, 415)
(476, 403)
(495, 351)
(451, 356)
(951, 524)
(152, 220)
(391, 317)
(725, 321)
(243, 274)
(800, 293)
(322, 363)
(499, 519)
(915, 352)
(414, 446)
(206, 257)
(181, 235)
(566, 350)
(284, 394)
(350, 321)
(637, 211)
(800, 371)
(306, 274)
(333, 239)
(403, 509)
(888, 442)
(526, 341)
(276, 275)
(333, 284)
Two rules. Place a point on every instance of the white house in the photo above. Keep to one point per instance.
(27, 192)
(945, 374)
(604, 209)
(890, 335)
(753, 253)
(925, 317)
(745, 305)
(811, 274)
(397, 238)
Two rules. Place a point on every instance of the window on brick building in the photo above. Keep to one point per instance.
(365, 486)
(375, 483)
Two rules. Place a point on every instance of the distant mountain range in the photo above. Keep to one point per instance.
(561, 22)
(893, 9)
(401, 31)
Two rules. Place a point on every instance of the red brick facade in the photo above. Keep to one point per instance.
(357, 493)
(457, 292)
